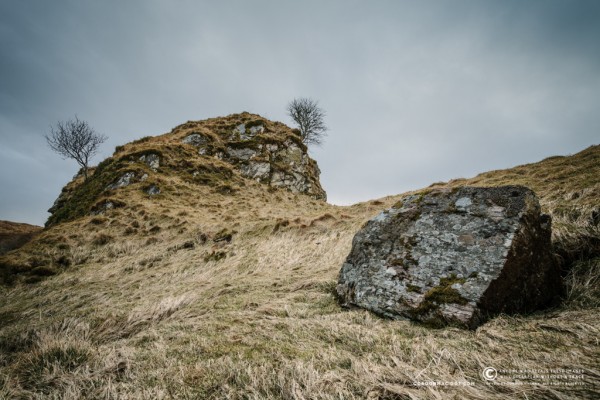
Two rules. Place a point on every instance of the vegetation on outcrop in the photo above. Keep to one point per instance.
(160, 298)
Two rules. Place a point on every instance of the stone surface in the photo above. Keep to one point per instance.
(241, 154)
(153, 190)
(195, 139)
(102, 208)
(454, 257)
(295, 181)
(256, 170)
(152, 160)
(243, 133)
(125, 180)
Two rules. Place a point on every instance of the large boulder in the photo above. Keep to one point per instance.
(454, 257)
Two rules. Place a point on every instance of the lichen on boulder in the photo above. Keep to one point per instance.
(454, 257)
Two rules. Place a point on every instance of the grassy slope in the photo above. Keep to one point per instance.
(141, 314)
(14, 235)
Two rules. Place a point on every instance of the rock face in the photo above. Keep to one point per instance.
(454, 257)
(267, 152)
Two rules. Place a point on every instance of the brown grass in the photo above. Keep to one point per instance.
(147, 315)
(14, 235)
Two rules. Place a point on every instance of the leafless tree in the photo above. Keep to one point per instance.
(309, 117)
(75, 139)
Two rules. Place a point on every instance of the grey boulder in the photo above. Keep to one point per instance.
(454, 257)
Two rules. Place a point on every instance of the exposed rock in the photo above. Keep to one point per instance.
(241, 154)
(256, 129)
(125, 180)
(454, 257)
(106, 205)
(195, 139)
(152, 160)
(240, 132)
(256, 170)
(153, 190)
(272, 148)
(295, 181)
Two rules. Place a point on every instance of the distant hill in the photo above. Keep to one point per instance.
(202, 264)
(14, 235)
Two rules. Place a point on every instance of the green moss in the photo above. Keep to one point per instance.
(413, 288)
(82, 197)
(398, 204)
(444, 293)
(451, 280)
(422, 195)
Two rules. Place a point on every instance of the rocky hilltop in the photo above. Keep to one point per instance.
(222, 153)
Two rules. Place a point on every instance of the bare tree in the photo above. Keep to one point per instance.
(75, 139)
(309, 117)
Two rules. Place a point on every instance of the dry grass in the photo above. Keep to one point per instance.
(14, 235)
(145, 312)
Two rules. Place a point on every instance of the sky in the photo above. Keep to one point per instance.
(415, 92)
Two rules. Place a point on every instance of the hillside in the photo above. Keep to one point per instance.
(14, 235)
(220, 284)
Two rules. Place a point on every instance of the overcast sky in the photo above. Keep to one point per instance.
(415, 91)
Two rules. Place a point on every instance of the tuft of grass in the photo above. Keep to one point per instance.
(583, 285)
(102, 239)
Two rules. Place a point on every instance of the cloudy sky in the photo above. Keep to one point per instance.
(415, 91)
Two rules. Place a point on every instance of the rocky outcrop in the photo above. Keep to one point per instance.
(218, 153)
(454, 257)
(124, 180)
(151, 160)
(267, 152)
